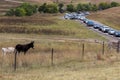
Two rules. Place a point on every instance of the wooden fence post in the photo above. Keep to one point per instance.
(118, 46)
(52, 57)
(83, 50)
(15, 61)
(103, 48)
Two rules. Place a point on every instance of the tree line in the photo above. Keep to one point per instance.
(26, 9)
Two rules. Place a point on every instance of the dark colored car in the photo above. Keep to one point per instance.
(117, 34)
(90, 23)
(96, 26)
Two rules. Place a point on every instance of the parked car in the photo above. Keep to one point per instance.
(96, 26)
(111, 31)
(90, 23)
(117, 34)
(67, 16)
(85, 20)
(82, 18)
(100, 28)
(105, 29)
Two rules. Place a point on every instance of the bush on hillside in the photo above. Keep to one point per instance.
(20, 12)
(30, 9)
(114, 4)
(23, 10)
(104, 5)
(94, 7)
(79, 7)
(48, 8)
(71, 8)
(52, 8)
(86, 7)
(43, 8)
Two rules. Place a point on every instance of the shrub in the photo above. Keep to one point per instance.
(24, 10)
(30, 9)
(71, 8)
(86, 7)
(94, 7)
(79, 7)
(43, 8)
(48, 8)
(52, 8)
(20, 12)
(114, 4)
(104, 5)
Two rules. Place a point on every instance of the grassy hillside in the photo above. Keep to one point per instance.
(109, 17)
(46, 25)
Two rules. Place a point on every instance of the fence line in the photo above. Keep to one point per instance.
(83, 52)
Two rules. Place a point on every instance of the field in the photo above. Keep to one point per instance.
(66, 37)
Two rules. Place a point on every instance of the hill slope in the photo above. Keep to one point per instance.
(109, 17)
(6, 5)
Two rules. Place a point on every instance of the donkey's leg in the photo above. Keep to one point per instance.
(3, 52)
(24, 52)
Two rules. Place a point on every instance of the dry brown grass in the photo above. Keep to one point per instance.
(41, 55)
(74, 69)
(68, 61)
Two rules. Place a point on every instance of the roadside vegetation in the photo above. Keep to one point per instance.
(27, 9)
